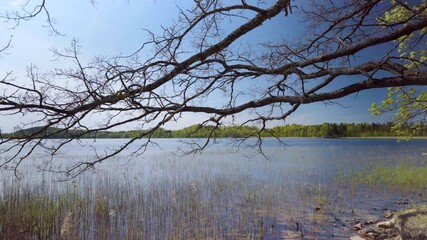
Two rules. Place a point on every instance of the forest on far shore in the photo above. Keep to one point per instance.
(326, 130)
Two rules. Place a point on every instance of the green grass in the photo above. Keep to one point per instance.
(32, 212)
(402, 176)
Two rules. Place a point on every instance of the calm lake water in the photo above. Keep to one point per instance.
(299, 176)
(300, 159)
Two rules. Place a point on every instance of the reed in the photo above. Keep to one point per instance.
(212, 207)
(402, 177)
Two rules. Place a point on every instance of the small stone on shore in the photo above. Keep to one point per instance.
(358, 227)
(386, 224)
(356, 238)
(388, 214)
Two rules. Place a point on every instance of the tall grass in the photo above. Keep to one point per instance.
(195, 198)
(213, 207)
(399, 177)
(209, 207)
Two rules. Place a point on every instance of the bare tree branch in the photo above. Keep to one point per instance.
(197, 57)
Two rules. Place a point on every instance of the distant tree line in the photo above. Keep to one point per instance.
(334, 130)
(326, 130)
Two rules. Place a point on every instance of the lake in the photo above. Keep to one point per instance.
(304, 186)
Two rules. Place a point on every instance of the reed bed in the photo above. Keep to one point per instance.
(401, 177)
(213, 207)
(220, 195)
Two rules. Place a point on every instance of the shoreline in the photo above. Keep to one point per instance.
(385, 137)
(397, 138)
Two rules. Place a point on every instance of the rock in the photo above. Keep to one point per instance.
(388, 214)
(358, 227)
(288, 234)
(412, 223)
(318, 208)
(368, 233)
(386, 224)
(372, 235)
(369, 222)
(408, 224)
(356, 238)
(389, 234)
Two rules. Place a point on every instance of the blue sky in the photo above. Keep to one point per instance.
(114, 27)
